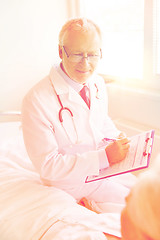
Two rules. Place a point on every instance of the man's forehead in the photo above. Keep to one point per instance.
(82, 39)
(80, 34)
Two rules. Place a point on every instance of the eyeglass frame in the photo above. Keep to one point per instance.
(82, 56)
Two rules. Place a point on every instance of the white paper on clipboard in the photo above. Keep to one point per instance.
(137, 158)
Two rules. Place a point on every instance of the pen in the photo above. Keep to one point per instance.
(115, 139)
(110, 139)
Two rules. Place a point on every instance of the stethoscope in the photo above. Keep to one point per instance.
(62, 108)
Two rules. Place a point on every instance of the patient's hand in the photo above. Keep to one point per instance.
(90, 204)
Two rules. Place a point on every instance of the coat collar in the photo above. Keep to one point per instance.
(62, 87)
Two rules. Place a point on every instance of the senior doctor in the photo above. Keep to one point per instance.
(65, 121)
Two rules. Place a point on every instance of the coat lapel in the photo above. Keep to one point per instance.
(59, 84)
(62, 88)
(76, 98)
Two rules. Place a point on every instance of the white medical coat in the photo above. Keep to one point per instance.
(59, 162)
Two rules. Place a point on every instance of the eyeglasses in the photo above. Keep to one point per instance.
(78, 57)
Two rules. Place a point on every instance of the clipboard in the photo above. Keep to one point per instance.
(138, 157)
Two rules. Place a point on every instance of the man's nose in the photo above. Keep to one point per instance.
(85, 59)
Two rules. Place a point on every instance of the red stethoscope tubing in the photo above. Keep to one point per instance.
(61, 118)
(67, 109)
(62, 108)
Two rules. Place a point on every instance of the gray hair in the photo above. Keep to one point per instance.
(78, 24)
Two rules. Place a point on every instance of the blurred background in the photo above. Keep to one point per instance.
(131, 53)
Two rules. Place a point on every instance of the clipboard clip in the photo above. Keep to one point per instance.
(148, 146)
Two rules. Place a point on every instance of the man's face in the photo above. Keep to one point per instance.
(86, 43)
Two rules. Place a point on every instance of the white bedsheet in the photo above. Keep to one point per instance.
(31, 211)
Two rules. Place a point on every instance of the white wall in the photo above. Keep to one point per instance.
(136, 105)
(28, 45)
(135, 111)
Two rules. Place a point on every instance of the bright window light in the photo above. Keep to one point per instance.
(122, 25)
(157, 36)
(131, 39)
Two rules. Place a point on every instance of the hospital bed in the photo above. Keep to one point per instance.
(31, 211)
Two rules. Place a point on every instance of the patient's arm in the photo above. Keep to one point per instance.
(91, 205)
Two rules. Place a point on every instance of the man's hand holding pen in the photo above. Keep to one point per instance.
(117, 150)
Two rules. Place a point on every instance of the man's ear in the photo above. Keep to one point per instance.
(60, 51)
